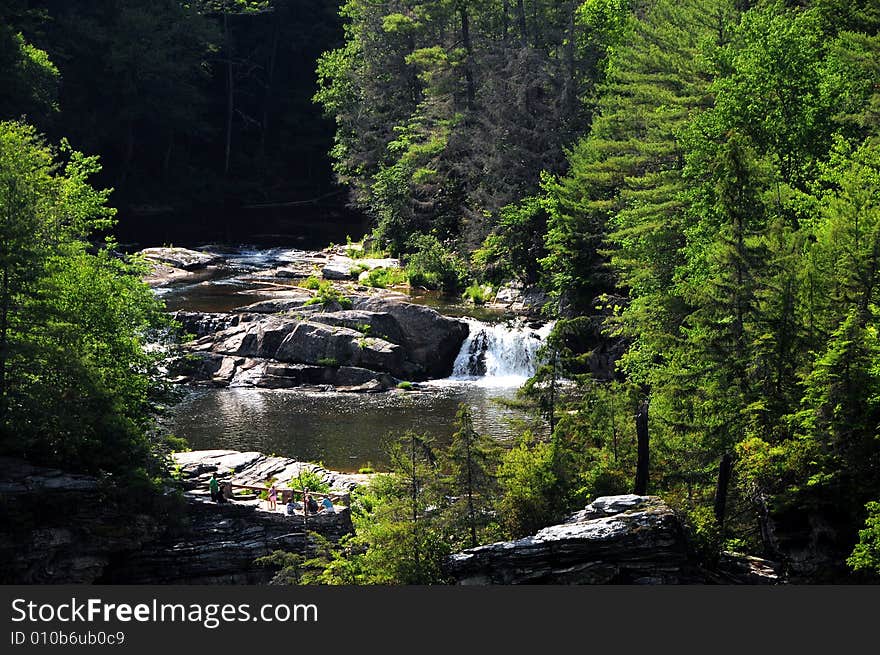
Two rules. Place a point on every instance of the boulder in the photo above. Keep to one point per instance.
(181, 258)
(644, 544)
(315, 343)
(431, 341)
(288, 303)
(169, 265)
(338, 268)
(254, 468)
(204, 323)
(615, 540)
(373, 324)
(272, 375)
(407, 342)
(519, 299)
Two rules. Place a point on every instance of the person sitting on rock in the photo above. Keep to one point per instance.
(312, 504)
(293, 506)
(327, 505)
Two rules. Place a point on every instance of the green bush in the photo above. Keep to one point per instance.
(327, 294)
(382, 278)
(406, 386)
(477, 293)
(431, 265)
(311, 481)
(529, 486)
(313, 283)
(328, 361)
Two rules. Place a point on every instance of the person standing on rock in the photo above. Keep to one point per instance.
(214, 486)
(273, 497)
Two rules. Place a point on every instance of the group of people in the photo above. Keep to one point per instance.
(220, 495)
(312, 505)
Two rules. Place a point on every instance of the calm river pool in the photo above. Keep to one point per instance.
(344, 431)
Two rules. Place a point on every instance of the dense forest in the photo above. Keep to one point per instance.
(697, 181)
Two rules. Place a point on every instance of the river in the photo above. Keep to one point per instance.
(348, 431)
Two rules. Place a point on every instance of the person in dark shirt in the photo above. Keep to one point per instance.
(312, 504)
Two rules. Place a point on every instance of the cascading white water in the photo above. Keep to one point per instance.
(499, 354)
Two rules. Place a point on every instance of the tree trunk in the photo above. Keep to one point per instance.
(230, 93)
(470, 491)
(642, 461)
(4, 336)
(267, 100)
(570, 90)
(725, 467)
(505, 21)
(468, 65)
(521, 20)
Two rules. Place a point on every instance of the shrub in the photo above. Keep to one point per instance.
(433, 266)
(477, 293)
(866, 554)
(406, 386)
(313, 283)
(311, 481)
(528, 483)
(516, 247)
(328, 361)
(328, 294)
(382, 278)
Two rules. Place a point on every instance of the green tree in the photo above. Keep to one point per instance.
(469, 464)
(28, 77)
(866, 554)
(75, 378)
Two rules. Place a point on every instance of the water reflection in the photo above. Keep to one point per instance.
(344, 431)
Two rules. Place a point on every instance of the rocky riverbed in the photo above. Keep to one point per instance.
(356, 339)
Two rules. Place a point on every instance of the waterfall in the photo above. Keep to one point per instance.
(499, 354)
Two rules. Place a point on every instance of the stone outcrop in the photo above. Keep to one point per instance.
(254, 468)
(228, 371)
(341, 267)
(219, 543)
(518, 299)
(182, 258)
(61, 528)
(57, 527)
(431, 340)
(614, 540)
(178, 264)
(369, 348)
